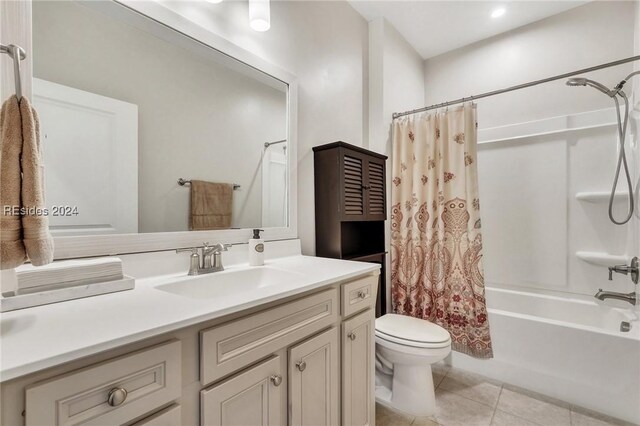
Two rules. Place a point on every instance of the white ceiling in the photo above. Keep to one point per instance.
(435, 27)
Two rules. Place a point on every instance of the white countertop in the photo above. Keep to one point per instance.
(41, 337)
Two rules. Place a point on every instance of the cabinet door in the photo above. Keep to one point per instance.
(251, 398)
(358, 369)
(375, 206)
(353, 185)
(313, 381)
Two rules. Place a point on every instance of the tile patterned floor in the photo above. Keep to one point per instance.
(467, 399)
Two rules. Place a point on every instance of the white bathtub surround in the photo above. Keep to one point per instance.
(436, 242)
(41, 337)
(566, 347)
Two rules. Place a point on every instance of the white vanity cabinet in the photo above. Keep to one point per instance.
(314, 375)
(306, 359)
(358, 369)
(253, 397)
(113, 392)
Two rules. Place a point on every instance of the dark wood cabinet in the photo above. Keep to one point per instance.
(350, 205)
(350, 182)
(362, 179)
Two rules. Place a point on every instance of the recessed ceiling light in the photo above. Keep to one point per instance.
(498, 12)
(215, 1)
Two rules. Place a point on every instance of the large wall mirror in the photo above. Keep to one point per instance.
(148, 129)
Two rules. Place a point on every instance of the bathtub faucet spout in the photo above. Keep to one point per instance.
(627, 297)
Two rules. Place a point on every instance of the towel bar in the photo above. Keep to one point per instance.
(18, 54)
(183, 182)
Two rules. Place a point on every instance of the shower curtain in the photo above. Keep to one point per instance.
(436, 243)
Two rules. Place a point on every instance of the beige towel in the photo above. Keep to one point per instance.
(12, 251)
(35, 225)
(211, 205)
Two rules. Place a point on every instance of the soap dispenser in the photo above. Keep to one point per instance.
(256, 249)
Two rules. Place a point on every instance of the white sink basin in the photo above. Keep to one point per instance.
(230, 282)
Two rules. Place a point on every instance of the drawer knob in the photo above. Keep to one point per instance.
(276, 379)
(301, 365)
(352, 336)
(361, 294)
(117, 396)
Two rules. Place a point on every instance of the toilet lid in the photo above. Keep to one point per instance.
(411, 329)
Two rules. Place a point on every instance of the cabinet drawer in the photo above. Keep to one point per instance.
(359, 294)
(238, 343)
(170, 416)
(150, 377)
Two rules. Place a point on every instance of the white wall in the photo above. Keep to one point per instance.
(325, 45)
(532, 223)
(197, 119)
(598, 32)
(396, 83)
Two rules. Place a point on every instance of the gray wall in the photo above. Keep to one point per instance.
(325, 44)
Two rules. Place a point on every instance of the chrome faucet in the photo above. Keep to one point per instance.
(210, 260)
(632, 270)
(626, 297)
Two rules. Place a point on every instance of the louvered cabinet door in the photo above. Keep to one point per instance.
(375, 208)
(353, 181)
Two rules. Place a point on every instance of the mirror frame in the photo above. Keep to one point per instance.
(114, 244)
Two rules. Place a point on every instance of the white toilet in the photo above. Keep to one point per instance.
(405, 349)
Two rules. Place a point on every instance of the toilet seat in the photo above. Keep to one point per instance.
(410, 331)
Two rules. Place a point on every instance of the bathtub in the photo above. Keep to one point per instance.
(567, 347)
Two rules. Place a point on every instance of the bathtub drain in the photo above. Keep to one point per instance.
(625, 326)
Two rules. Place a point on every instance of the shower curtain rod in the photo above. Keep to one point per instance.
(518, 87)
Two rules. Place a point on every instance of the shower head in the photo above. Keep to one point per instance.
(580, 81)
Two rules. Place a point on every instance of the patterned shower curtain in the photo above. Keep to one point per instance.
(436, 243)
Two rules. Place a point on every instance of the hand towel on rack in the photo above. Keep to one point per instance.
(211, 205)
(12, 251)
(35, 226)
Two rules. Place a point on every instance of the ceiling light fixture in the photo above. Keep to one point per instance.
(215, 1)
(498, 12)
(259, 15)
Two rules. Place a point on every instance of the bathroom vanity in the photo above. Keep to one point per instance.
(290, 342)
(287, 343)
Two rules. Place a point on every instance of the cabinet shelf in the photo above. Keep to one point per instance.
(358, 256)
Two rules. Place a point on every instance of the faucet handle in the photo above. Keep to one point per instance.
(217, 248)
(194, 259)
(611, 269)
(193, 250)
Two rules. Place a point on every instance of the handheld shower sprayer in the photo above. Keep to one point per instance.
(586, 82)
(622, 130)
